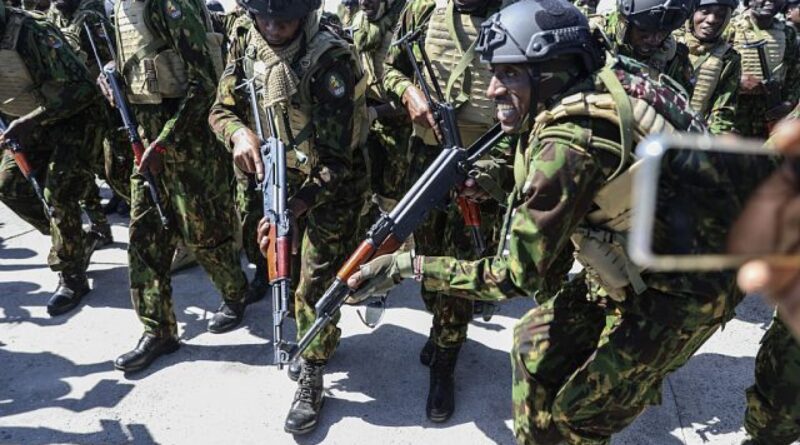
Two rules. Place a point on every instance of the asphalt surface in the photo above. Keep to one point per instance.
(58, 385)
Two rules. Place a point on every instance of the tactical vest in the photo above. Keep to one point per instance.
(294, 124)
(450, 37)
(745, 31)
(152, 70)
(18, 93)
(708, 65)
(639, 106)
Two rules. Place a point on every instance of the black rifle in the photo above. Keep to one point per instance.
(115, 82)
(279, 255)
(775, 109)
(25, 167)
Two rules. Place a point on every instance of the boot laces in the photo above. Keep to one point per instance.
(308, 378)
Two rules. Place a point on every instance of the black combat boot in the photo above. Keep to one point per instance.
(294, 369)
(304, 413)
(259, 287)
(148, 349)
(441, 394)
(426, 354)
(71, 288)
(227, 317)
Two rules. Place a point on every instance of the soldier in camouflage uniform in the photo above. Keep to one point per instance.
(634, 33)
(170, 60)
(346, 10)
(450, 29)
(52, 100)
(588, 361)
(311, 78)
(717, 66)
(755, 24)
(69, 16)
(387, 142)
(792, 16)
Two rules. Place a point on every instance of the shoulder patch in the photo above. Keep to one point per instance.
(335, 84)
(173, 10)
(53, 41)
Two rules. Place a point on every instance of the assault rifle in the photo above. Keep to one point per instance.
(279, 255)
(115, 82)
(775, 109)
(25, 167)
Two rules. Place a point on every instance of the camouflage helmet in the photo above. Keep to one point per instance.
(656, 15)
(534, 31)
(733, 4)
(281, 9)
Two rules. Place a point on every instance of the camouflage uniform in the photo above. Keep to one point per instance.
(782, 54)
(672, 59)
(43, 77)
(587, 362)
(325, 115)
(717, 70)
(387, 142)
(172, 108)
(444, 233)
(117, 159)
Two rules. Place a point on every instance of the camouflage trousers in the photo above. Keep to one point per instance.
(197, 196)
(583, 370)
(773, 403)
(445, 234)
(387, 145)
(114, 164)
(250, 206)
(63, 157)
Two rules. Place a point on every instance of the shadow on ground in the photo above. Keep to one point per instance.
(112, 432)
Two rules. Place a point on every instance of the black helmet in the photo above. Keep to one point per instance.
(657, 15)
(733, 4)
(534, 31)
(281, 9)
(791, 3)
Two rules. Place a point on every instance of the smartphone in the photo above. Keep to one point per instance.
(692, 195)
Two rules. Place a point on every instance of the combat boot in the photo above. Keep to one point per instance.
(308, 399)
(294, 369)
(148, 349)
(441, 394)
(258, 288)
(71, 288)
(426, 354)
(227, 317)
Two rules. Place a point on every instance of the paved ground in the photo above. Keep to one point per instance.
(57, 384)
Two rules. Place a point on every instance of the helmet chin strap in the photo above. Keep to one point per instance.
(535, 76)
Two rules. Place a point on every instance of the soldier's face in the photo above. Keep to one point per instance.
(510, 89)
(277, 32)
(370, 7)
(766, 8)
(793, 14)
(645, 43)
(708, 22)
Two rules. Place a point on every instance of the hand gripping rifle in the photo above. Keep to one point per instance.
(772, 86)
(25, 167)
(128, 120)
(444, 114)
(279, 255)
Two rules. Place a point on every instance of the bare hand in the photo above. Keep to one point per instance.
(418, 108)
(105, 88)
(750, 84)
(247, 152)
(152, 160)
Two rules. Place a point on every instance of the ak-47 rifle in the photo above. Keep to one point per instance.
(279, 255)
(25, 167)
(775, 109)
(115, 82)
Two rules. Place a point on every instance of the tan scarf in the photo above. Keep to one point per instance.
(274, 67)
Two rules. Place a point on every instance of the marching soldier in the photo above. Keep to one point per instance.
(754, 25)
(577, 378)
(717, 66)
(311, 79)
(170, 60)
(635, 32)
(52, 102)
(450, 29)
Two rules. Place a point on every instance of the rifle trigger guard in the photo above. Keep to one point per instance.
(374, 313)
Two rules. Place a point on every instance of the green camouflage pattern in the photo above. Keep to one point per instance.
(335, 189)
(679, 68)
(773, 402)
(195, 184)
(751, 109)
(722, 109)
(62, 148)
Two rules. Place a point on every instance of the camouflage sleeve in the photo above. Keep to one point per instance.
(721, 116)
(230, 105)
(333, 94)
(791, 86)
(495, 173)
(98, 24)
(181, 24)
(557, 194)
(66, 88)
(398, 72)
